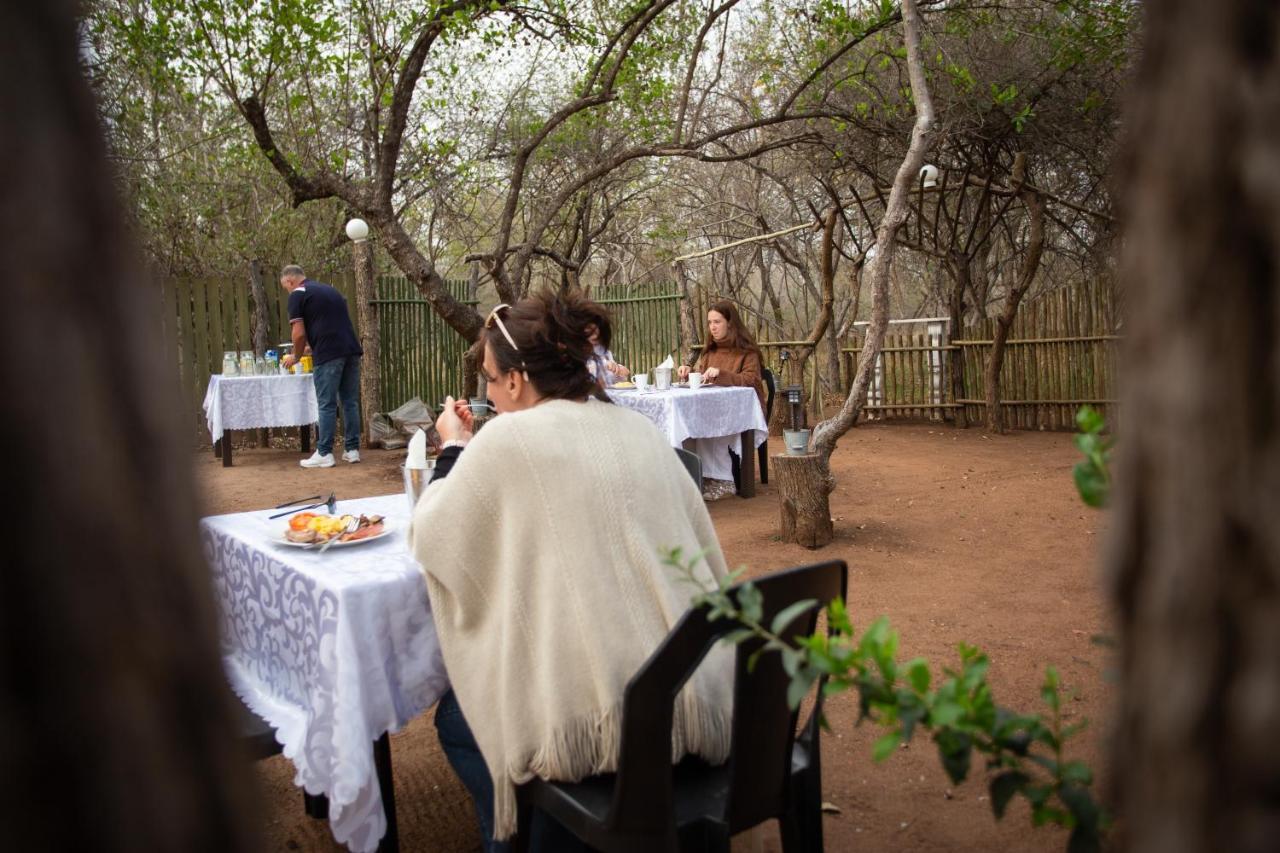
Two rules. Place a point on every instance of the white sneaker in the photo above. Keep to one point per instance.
(315, 460)
(352, 456)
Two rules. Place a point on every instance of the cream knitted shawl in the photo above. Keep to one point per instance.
(541, 551)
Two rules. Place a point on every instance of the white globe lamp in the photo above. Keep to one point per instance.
(929, 173)
(358, 230)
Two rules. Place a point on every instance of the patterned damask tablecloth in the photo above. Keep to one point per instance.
(331, 649)
(251, 402)
(709, 412)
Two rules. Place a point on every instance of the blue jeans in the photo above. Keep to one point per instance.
(459, 745)
(338, 378)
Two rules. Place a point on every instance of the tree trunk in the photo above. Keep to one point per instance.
(689, 335)
(258, 290)
(261, 339)
(1026, 275)
(959, 269)
(370, 338)
(118, 726)
(1194, 557)
(805, 485)
(827, 433)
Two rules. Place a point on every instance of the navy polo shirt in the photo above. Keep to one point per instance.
(325, 320)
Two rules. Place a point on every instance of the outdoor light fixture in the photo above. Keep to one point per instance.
(358, 230)
(929, 173)
(793, 393)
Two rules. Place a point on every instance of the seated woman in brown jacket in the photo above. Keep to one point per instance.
(730, 357)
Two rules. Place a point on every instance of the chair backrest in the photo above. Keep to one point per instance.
(763, 726)
(692, 464)
(769, 387)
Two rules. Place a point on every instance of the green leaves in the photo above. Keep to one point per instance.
(1023, 750)
(790, 613)
(886, 745)
(1003, 787)
(1093, 475)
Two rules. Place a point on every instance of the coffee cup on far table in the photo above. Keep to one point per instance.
(642, 381)
(695, 381)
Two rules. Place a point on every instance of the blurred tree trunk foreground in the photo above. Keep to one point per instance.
(116, 726)
(1194, 557)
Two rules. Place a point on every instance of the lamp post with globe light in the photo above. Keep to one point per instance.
(367, 324)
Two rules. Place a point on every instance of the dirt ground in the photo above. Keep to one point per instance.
(956, 535)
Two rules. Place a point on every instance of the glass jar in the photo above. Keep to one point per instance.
(230, 367)
(247, 365)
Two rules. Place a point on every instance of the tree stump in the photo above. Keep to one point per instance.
(805, 485)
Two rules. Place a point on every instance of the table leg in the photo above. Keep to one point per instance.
(390, 842)
(226, 448)
(217, 449)
(315, 806)
(304, 437)
(747, 487)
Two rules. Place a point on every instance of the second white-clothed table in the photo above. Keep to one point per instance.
(253, 402)
(333, 649)
(711, 411)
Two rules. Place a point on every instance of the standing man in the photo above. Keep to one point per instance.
(319, 321)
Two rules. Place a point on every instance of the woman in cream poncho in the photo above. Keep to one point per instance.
(541, 545)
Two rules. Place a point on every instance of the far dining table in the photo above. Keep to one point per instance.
(254, 402)
(711, 411)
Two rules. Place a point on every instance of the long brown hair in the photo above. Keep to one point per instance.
(550, 330)
(737, 336)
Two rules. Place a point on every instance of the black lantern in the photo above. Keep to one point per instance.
(794, 393)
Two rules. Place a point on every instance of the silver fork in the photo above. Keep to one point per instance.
(352, 526)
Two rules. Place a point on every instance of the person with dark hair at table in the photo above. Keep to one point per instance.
(731, 357)
(544, 617)
(319, 321)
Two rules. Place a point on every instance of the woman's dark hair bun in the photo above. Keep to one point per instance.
(553, 332)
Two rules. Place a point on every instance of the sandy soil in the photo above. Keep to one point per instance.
(955, 535)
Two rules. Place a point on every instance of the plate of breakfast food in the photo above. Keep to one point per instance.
(316, 530)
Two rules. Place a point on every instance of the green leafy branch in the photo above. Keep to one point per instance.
(1023, 752)
(1093, 475)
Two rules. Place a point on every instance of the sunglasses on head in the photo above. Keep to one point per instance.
(489, 323)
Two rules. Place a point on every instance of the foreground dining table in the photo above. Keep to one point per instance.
(334, 650)
(711, 411)
(255, 402)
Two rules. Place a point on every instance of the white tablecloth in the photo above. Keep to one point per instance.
(709, 412)
(251, 402)
(331, 649)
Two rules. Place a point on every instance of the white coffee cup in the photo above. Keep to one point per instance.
(641, 380)
(695, 381)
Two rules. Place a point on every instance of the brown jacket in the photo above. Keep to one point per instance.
(736, 366)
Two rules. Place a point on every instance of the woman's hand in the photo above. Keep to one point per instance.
(617, 370)
(682, 372)
(710, 373)
(455, 422)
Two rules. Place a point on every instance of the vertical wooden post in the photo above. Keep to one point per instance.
(370, 335)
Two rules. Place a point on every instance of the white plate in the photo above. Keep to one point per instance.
(386, 529)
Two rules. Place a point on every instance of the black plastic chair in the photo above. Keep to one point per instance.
(769, 388)
(692, 464)
(649, 805)
(763, 450)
